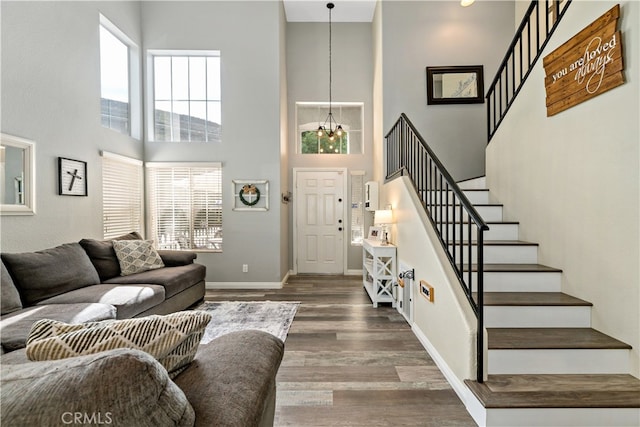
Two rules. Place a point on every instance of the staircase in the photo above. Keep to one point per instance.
(546, 365)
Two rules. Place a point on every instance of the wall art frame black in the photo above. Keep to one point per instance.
(455, 85)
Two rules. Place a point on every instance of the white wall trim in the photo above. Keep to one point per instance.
(243, 285)
(473, 406)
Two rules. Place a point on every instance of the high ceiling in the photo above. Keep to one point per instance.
(316, 11)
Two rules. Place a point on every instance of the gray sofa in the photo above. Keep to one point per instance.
(231, 381)
(81, 282)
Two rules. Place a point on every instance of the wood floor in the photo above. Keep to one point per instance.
(349, 364)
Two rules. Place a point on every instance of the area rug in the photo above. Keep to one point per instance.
(229, 316)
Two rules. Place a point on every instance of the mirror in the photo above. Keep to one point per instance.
(17, 176)
(455, 85)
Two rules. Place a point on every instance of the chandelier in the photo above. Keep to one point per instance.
(331, 128)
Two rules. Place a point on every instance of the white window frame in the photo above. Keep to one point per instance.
(151, 54)
(135, 108)
(335, 106)
(357, 218)
(122, 195)
(210, 236)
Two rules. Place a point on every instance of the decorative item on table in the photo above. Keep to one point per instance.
(384, 217)
(375, 233)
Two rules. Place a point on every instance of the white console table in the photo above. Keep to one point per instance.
(379, 271)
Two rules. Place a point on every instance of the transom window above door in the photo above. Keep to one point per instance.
(311, 115)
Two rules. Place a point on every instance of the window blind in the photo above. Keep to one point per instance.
(121, 195)
(185, 205)
(357, 211)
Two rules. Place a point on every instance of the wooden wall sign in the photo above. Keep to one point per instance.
(587, 65)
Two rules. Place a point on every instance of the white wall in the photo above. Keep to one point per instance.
(248, 35)
(308, 81)
(51, 95)
(417, 34)
(448, 323)
(572, 180)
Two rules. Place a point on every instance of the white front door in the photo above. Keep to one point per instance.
(320, 224)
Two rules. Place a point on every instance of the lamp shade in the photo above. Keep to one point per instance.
(384, 216)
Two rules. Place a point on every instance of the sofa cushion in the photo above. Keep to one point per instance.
(50, 272)
(239, 369)
(172, 258)
(15, 327)
(136, 256)
(118, 387)
(172, 339)
(174, 279)
(128, 300)
(10, 298)
(103, 256)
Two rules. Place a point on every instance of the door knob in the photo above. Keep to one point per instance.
(340, 199)
(340, 221)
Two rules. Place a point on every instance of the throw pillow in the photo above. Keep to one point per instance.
(9, 298)
(103, 256)
(136, 256)
(172, 339)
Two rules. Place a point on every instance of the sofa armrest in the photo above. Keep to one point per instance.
(177, 258)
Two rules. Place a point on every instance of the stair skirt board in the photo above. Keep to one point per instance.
(520, 282)
(557, 417)
(559, 361)
(532, 317)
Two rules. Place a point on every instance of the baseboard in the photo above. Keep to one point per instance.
(458, 386)
(353, 272)
(244, 285)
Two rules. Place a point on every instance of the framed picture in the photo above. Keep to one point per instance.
(250, 195)
(72, 177)
(375, 233)
(455, 85)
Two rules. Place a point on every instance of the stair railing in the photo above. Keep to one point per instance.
(531, 38)
(454, 218)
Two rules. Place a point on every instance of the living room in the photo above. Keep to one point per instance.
(51, 95)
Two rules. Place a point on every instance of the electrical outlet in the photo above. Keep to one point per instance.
(245, 268)
(426, 290)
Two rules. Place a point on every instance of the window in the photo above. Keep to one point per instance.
(309, 116)
(114, 78)
(185, 205)
(121, 195)
(357, 207)
(186, 96)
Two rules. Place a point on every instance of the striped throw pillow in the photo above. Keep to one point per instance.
(172, 339)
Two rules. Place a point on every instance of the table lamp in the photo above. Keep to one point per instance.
(383, 217)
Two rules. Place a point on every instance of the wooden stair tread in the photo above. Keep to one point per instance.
(514, 268)
(558, 391)
(531, 299)
(551, 338)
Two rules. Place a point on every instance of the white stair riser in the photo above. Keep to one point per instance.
(476, 183)
(560, 361)
(502, 254)
(562, 417)
(495, 232)
(520, 282)
(537, 316)
(475, 197)
(488, 213)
